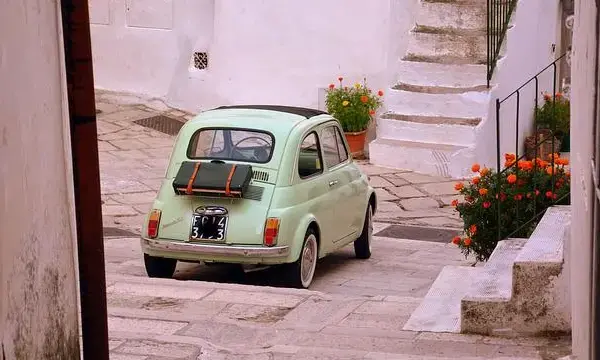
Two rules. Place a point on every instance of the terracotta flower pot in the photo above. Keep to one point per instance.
(356, 141)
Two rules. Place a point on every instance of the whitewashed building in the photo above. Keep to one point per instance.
(429, 56)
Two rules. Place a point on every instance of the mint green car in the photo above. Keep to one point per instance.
(306, 197)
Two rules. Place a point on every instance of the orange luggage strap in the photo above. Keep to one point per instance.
(231, 172)
(188, 190)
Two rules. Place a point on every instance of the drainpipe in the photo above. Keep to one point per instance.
(86, 177)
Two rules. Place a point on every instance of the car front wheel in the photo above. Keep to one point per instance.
(362, 245)
(301, 273)
(157, 267)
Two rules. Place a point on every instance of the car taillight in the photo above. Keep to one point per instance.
(271, 231)
(153, 221)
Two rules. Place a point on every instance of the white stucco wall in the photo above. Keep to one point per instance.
(527, 50)
(582, 117)
(38, 299)
(259, 51)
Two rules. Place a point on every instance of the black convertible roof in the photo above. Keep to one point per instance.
(305, 112)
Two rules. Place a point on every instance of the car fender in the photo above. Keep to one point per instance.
(298, 240)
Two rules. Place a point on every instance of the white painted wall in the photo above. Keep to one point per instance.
(527, 50)
(38, 298)
(582, 116)
(259, 51)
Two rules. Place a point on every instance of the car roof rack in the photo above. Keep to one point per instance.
(305, 112)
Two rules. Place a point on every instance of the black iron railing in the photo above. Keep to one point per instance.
(532, 207)
(498, 17)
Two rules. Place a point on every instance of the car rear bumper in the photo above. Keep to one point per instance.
(178, 249)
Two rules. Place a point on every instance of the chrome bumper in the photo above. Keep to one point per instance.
(215, 250)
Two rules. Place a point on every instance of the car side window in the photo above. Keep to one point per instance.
(334, 150)
(309, 160)
(341, 146)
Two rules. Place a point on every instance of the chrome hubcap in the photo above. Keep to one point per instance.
(309, 260)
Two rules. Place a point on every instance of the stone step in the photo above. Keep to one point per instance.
(437, 89)
(494, 283)
(535, 298)
(432, 119)
(402, 128)
(426, 158)
(473, 104)
(440, 309)
(446, 14)
(430, 45)
(442, 76)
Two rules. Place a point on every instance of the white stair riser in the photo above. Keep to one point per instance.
(432, 74)
(467, 105)
(436, 45)
(432, 133)
(423, 160)
(452, 15)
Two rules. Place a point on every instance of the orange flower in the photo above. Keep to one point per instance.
(487, 204)
(331, 86)
(559, 95)
(549, 170)
(484, 171)
(510, 156)
(380, 93)
(512, 178)
(456, 240)
(547, 97)
(475, 168)
(483, 192)
(371, 112)
(473, 229)
(467, 242)
(561, 161)
(476, 180)
(459, 186)
(454, 202)
(541, 163)
(568, 173)
(364, 99)
(525, 165)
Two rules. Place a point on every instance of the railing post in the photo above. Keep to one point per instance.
(498, 169)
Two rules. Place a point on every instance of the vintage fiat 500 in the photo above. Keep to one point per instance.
(259, 185)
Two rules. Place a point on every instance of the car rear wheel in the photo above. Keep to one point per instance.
(157, 267)
(362, 245)
(300, 273)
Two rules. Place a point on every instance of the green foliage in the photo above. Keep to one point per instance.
(554, 114)
(352, 106)
(525, 189)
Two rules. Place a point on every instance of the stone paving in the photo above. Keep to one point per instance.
(354, 310)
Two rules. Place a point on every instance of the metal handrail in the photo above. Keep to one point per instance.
(517, 94)
(498, 17)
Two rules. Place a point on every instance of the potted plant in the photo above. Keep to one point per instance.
(354, 108)
(555, 115)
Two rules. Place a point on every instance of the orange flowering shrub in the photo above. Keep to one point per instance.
(525, 189)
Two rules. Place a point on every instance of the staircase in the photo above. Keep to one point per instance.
(522, 289)
(441, 96)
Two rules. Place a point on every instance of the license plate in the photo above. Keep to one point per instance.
(208, 227)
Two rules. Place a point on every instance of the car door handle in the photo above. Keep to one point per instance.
(333, 183)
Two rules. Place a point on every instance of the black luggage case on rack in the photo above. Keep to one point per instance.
(214, 179)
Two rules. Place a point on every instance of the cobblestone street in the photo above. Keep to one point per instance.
(354, 310)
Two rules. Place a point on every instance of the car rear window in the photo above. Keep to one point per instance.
(231, 144)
